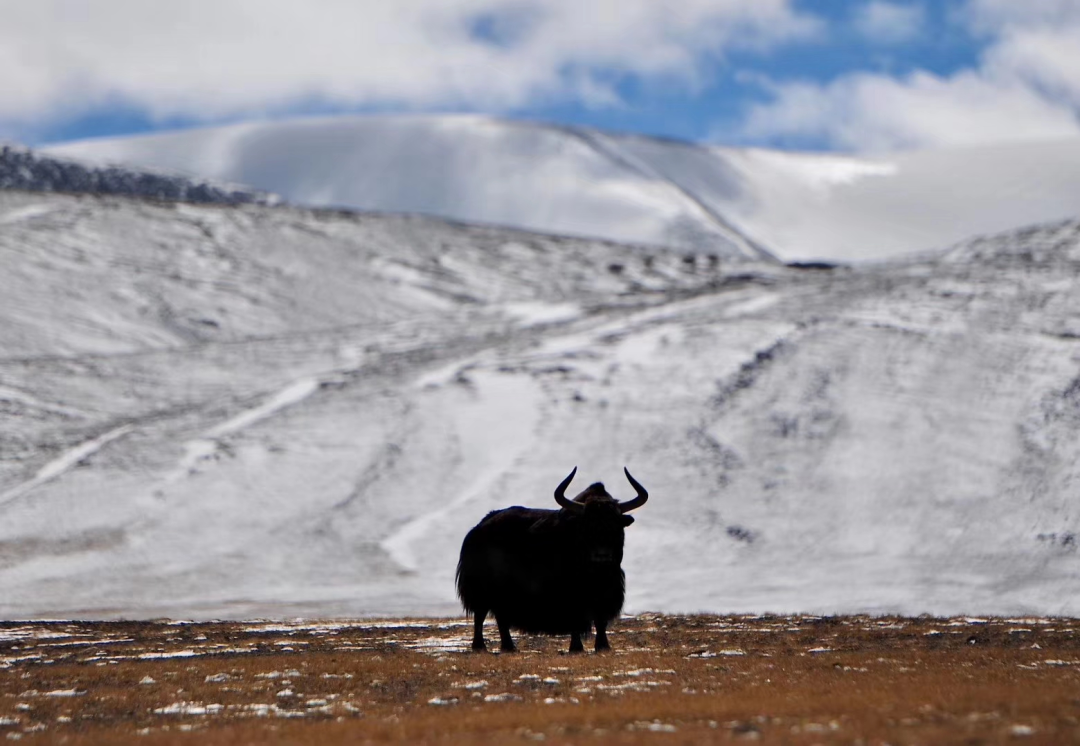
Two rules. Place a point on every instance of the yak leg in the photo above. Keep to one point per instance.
(506, 642)
(575, 643)
(601, 636)
(478, 629)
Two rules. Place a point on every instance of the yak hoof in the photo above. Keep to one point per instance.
(479, 646)
(511, 648)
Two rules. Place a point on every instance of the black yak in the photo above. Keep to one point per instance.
(556, 572)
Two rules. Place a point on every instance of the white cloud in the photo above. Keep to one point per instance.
(209, 60)
(1045, 59)
(997, 16)
(874, 113)
(1025, 87)
(889, 23)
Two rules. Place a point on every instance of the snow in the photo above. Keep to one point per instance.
(810, 206)
(65, 462)
(578, 181)
(196, 451)
(291, 394)
(261, 422)
(28, 212)
(502, 697)
(531, 313)
(189, 708)
(463, 167)
(172, 654)
(495, 431)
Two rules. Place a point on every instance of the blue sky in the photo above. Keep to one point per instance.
(942, 48)
(864, 75)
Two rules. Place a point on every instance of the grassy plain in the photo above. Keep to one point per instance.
(670, 679)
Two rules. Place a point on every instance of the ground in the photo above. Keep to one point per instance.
(669, 679)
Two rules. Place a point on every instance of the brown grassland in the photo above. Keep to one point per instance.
(670, 679)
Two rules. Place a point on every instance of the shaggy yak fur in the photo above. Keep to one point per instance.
(556, 572)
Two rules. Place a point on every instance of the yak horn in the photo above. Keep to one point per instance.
(637, 502)
(560, 496)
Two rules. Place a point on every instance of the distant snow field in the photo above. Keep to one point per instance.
(253, 411)
(584, 182)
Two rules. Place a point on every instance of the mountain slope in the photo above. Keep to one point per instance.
(578, 181)
(227, 412)
(466, 168)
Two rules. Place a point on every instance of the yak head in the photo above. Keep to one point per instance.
(597, 519)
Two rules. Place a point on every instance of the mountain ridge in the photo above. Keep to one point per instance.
(551, 178)
(23, 168)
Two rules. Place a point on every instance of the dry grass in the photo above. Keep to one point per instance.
(790, 680)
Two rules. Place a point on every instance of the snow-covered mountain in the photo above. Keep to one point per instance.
(212, 411)
(21, 168)
(580, 181)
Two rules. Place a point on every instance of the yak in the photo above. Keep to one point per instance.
(556, 572)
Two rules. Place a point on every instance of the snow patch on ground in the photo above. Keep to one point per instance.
(200, 450)
(532, 313)
(497, 429)
(65, 462)
(28, 212)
